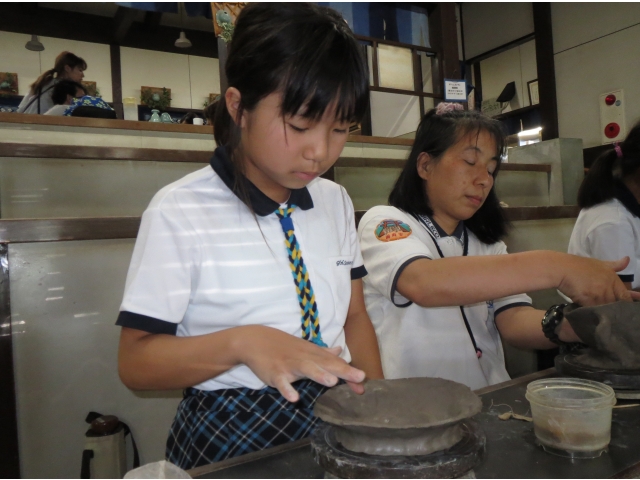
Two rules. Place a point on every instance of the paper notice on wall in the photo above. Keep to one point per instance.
(455, 90)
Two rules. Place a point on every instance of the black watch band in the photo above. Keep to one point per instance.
(550, 322)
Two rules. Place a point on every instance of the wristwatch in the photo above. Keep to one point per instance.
(550, 322)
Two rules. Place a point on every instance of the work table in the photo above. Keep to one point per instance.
(511, 448)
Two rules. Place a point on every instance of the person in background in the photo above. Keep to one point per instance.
(245, 284)
(608, 226)
(88, 106)
(67, 67)
(188, 118)
(441, 290)
(63, 95)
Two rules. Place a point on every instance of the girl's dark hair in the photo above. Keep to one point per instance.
(64, 88)
(62, 60)
(436, 133)
(599, 184)
(305, 52)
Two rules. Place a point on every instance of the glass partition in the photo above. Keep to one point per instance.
(65, 298)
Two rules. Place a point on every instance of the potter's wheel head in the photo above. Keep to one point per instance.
(399, 403)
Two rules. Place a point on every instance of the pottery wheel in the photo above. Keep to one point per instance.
(407, 416)
(450, 463)
(620, 380)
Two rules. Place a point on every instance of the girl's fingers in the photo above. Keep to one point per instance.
(334, 350)
(356, 387)
(619, 264)
(285, 388)
(315, 372)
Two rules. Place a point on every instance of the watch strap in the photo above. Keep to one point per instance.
(552, 318)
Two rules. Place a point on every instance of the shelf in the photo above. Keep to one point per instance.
(516, 113)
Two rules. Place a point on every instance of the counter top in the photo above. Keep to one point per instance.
(50, 120)
(511, 451)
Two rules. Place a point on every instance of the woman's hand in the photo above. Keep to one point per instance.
(590, 282)
(279, 359)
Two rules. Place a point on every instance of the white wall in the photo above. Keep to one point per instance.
(490, 25)
(17, 59)
(596, 50)
(518, 65)
(190, 78)
(393, 115)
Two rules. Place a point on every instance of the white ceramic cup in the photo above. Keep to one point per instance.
(198, 121)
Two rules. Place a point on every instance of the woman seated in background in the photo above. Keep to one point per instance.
(67, 67)
(608, 226)
(441, 290)
(63, 95)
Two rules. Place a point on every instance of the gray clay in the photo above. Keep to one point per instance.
(403, 441)
(408, 416)
(613, 333)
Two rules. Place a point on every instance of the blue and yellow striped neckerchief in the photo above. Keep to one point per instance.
(306, 298)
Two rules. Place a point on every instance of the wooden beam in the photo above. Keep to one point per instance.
(67, 229)
(546, 70)
(116, 80)
(123, 21)
(443, 36)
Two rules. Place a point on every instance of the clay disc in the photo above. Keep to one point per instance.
(408, 416)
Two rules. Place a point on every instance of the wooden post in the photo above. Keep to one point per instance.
(116, 80)
(546, 70)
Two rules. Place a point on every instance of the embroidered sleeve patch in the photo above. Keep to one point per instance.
(390, 230)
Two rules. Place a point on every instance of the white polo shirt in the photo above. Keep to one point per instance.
(428, 342)
(609, 231)
(203, 262)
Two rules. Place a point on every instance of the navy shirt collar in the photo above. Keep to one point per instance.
(457, 233)
(260, 203)
(627, 198)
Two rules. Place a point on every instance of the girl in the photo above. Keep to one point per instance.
(210, 304)
(67, 67)
(608, 226)
(440, 290)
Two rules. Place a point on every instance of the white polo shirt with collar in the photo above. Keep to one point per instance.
(428, 342)
(203, 262)
(610, 231)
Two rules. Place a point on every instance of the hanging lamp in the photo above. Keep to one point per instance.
(182, 41)
(35, 45)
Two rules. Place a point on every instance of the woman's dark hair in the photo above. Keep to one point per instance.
(599, 185)
(62, 60)
(64, 88)
(436, 133)
(305, 52)
(188, 118)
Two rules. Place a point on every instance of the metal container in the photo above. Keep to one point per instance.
(571, 417)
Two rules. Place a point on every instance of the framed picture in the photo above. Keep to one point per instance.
(8, 83)
(155, 97)
(534, 96)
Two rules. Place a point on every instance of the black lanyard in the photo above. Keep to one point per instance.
(433, 233)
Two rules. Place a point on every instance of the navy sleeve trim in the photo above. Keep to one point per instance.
(395, 280)
(146, 324)
(358, 272)
(626, 278)
(512, 305)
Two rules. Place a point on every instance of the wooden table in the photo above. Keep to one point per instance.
(512, 451)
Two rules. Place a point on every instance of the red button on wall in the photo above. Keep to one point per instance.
(612, 130)
(610, 99)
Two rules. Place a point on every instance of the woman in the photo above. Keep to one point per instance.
(67, 67)
(441, 289)
(608, 226)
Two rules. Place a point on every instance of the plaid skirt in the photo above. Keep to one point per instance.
(215, 425)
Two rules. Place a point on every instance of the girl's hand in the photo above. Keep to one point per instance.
(590, 282)
(279, 359)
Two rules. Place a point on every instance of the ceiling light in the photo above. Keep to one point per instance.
(34, 44)
(183, 41)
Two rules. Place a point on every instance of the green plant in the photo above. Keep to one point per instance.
(160, 101)
(227, 31)
(6, 85)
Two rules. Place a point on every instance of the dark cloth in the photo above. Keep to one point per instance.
(211, 426)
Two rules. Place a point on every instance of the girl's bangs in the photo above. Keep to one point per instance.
(334, 74)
